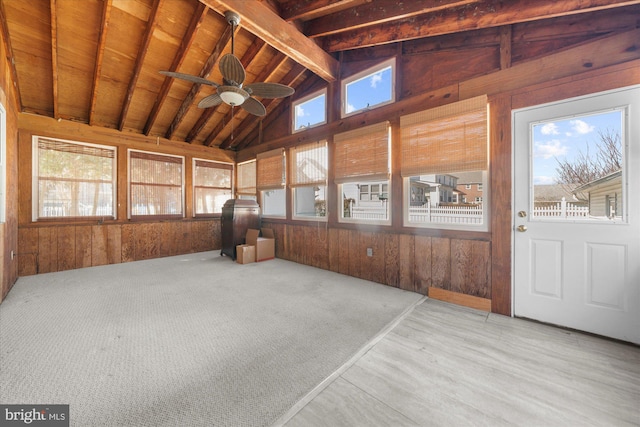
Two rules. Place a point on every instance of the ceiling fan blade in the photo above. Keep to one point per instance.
(253, 106)
(189, 77)
(232, 70)
(269, 90)
(210, 101)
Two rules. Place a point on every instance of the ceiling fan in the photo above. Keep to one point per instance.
(231, 91)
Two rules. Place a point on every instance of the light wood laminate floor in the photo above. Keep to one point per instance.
(446, 365)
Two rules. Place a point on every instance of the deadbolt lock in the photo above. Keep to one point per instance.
(522, 214)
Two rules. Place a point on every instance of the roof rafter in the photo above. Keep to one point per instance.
(295, 9)
(483, 14)
(152, 23)
(97, 71)
(269, 26)
(185, 44)
(195, 88)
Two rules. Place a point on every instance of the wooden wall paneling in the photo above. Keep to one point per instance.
(441, 262)
(128, 236)
(184, 233)
(148, 236)
(461, 266)
(114, 243)
(167, 241)
(47, 249)
(98, 245)
(481, 269)
(406, 259)
(201, 238)
(391, 259)
(422, 264)
(355, 253)
(378, 264)
(500, 205)
(216, 234)
(322, 246)
(367, 262)
(295, 247)
(66, 248)
(601, 53)
(27, 251)
(278, 232)
(83, 254)
(334, 249)
(343, 237)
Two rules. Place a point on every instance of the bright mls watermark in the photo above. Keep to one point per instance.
(34, 415)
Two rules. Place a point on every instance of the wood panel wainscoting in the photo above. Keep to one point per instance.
(406, 261)
(49, 248)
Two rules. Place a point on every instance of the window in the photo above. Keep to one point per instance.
(368, 89)
(271, 182)
(362, 165)
(155, 185)
(308, 180)
(211, 186)
(440, 148)
(73, 179)
(310, 111)
(246, 188)
(479, 187)
(467, 186)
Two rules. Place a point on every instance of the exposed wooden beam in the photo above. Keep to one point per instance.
(185, 44)
(306, 10)
(54, 56)
(377, 12)
(505, 46)
(484, 14)
(152, 23)
(97, 71)
(270, 27)
(249, 54)
(10, 59)
(195, 88)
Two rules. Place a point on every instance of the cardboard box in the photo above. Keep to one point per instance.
(265, 245)
(245, 254)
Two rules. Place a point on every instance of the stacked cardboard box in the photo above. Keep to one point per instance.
(258, 247)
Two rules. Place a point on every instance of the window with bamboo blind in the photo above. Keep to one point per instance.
(73, 179)
(211, 186)
(362, 170)
(308, 179)
(156, 185)
(271, 180)
(246, 186)
(444, 151)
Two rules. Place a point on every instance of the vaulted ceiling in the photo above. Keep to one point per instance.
(98, 61)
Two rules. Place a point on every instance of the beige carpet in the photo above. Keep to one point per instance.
(192, 340)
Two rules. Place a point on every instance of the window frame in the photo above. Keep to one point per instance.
(273, 183)
(132, 217)
(303, 100)
(194, 166)
(389, 63)
(294, 186)
(35, 202)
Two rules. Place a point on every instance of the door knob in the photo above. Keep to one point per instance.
(522, 228)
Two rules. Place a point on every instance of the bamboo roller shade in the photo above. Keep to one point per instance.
(451, 138)
(212, 174)
(270, 170)
(362, 153)
(247, 178)
(309, 164)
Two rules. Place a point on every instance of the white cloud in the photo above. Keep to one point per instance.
(375, 79)
(549, 129)
(544, 180)
(581, 127)
(350, 108)
(550, 149)
(300, 111)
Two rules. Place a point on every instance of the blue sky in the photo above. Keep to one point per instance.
(369, 90)
(564, 139)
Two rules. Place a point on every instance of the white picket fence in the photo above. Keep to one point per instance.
(561, 210)
(462, 214)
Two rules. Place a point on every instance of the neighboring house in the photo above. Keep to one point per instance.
(433, 189)
(470, 187)
(603, 195)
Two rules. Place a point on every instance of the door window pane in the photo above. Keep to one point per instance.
(578, 168)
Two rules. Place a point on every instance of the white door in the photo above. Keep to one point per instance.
(577, 260)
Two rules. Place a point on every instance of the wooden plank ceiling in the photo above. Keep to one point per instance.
(99, 62)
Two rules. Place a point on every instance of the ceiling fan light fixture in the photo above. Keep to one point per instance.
(232, 98)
